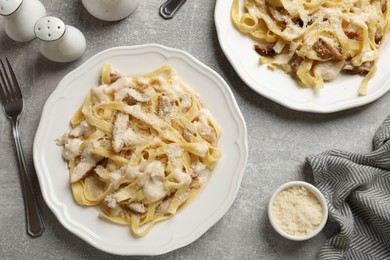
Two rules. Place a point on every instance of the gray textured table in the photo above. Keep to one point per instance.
(279, 138)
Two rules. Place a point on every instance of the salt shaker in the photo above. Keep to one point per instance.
(20, 17)
(110, 10)
(59, 42)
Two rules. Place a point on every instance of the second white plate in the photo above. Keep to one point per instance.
(278, 86)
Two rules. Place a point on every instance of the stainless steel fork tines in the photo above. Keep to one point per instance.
(12, 100)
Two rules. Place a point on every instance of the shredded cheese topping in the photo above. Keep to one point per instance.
(297, 211)
(315, 40)
(140, 147)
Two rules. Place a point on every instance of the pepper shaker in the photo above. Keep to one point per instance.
(110, 10)
(20, 17)
(59, 42)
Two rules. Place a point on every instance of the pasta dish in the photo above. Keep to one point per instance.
(316, 40)
(140, 147)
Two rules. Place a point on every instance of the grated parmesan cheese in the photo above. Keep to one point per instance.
(297, 211)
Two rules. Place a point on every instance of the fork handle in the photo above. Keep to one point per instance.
(170, 7)
(34, 220)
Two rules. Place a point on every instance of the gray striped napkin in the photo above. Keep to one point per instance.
(357, 190)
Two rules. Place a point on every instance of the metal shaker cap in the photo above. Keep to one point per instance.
(7, 7)
(49, 28)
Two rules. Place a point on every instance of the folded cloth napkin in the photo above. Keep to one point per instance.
(357, 191)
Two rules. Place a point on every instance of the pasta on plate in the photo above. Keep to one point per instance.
(140, 147)
(315, 40)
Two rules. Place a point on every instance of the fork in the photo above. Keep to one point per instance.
(12, 100)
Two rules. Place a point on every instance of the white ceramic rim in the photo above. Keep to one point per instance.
(239, 142)
(319, 196)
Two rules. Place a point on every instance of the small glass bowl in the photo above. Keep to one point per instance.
(320, 198)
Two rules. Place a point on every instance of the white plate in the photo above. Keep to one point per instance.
(340, 94)
(195, 219)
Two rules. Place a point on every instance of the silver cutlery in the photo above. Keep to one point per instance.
(12, 101)
(170, 7)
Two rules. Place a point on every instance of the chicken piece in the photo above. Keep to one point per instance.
(189, 133)
(208, 133)
(278, 16)
(164, 108)
(295, 62)
(383, 5)
(114, 76)
(378, 37)
(327, 48)
(298, 21)
(185, 102)
(275, 3)
(362, 69)
(82, 129)
(139, 96)
(163, 208)
(110, 201)
(264, 50)
(88, 161)
(353, 35)
(137, 207)
(123, 134)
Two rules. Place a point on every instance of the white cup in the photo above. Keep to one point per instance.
(110, 10)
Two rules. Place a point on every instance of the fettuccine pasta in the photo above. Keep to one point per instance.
(140, 147)
(315, 40)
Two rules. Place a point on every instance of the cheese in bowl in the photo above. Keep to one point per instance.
(297, 210)
(140, 147)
